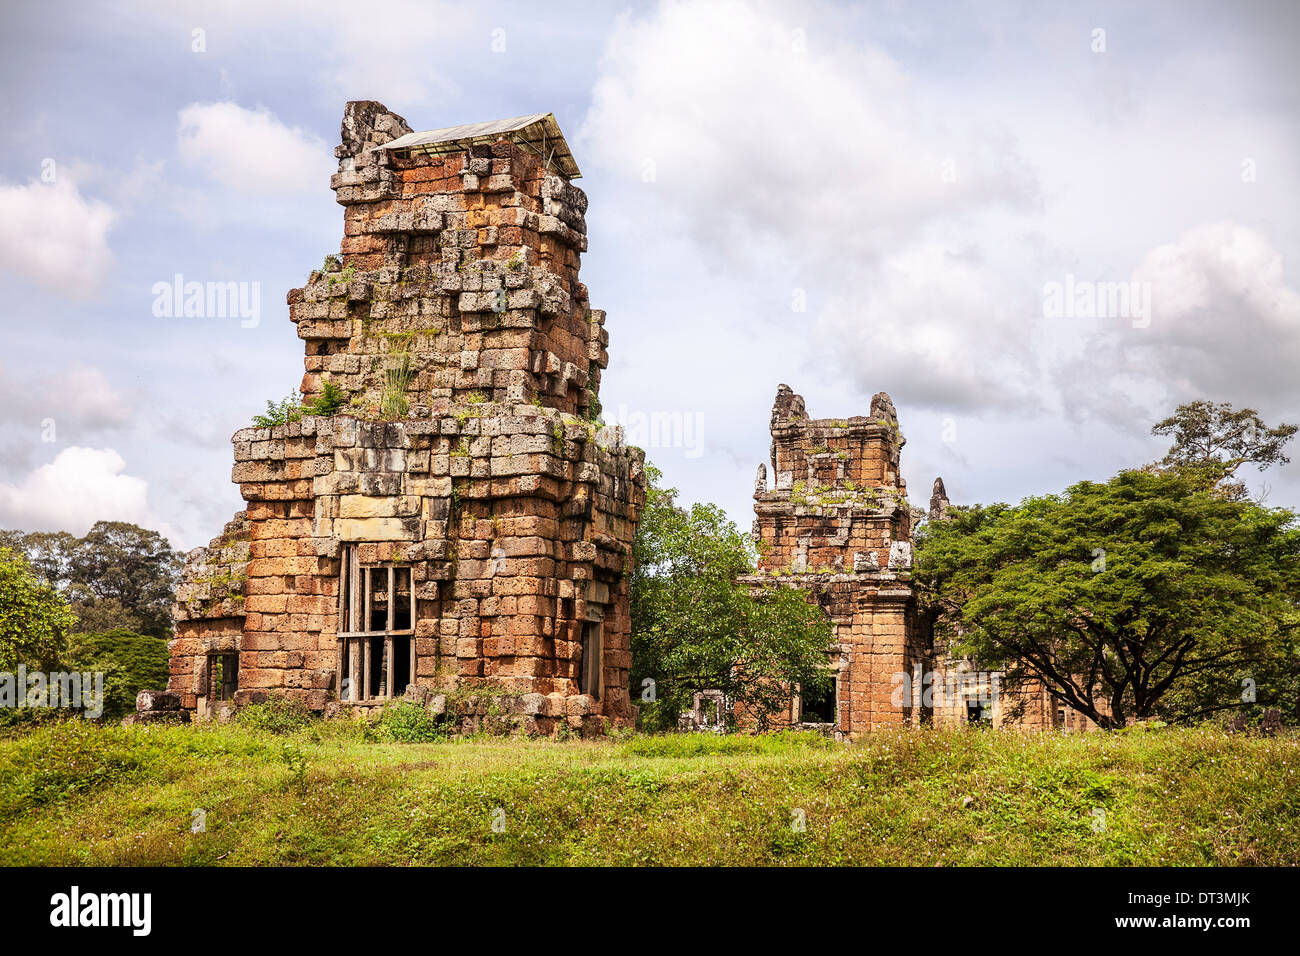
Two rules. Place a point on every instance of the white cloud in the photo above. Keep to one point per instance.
(49, 232)
(78, 397)
(1225, 325)
(792, 152)
(79, 487)
(934, 326)
(251, 151)
(755, 132)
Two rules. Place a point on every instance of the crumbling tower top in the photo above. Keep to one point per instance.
(838, 502)
(538, 133)
(457, 278)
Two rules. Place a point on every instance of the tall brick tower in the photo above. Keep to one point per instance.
(461, 524)
(837, 524)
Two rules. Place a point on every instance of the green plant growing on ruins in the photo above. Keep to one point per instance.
(393, 403)
(594, 408)
(405, 722)
(476, 397)
(288, 409)
(329, 401)
(557, 438)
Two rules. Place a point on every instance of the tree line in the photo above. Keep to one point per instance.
(99, 603)
(1163, 592)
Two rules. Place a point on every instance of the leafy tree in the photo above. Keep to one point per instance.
(130, 663)
(46, 552)
(694, 628)
(98, 615)
(1146, 595)
(1216, 436)
(34, 619)
(131, 565)
(118, 575)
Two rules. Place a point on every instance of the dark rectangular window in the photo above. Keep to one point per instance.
(223, 676)
(819, 706)
(590, 667)
(376, 629)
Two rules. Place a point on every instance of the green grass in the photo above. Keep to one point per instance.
(281, 791)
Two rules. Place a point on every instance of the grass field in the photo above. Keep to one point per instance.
(329, 794)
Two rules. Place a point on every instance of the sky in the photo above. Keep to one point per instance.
(1038, 226)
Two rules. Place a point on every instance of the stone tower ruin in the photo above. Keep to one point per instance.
(448, 518)
(835, 522)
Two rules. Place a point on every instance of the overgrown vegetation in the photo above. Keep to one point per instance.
(393, 403)
(330, 400)
(117, 575)
(1163, 592)
(286, 410)
(34, 619)
(321, 794)
(695, 628)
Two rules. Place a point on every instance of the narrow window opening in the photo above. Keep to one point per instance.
(590, 680)
(818, 706)
(223, 676)
(376, 628)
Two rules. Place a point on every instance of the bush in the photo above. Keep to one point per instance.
(287, 409)
(329, 401)
(276, 716)
(409, 723)
(130, 663)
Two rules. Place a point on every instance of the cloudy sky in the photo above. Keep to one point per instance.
(844, 198)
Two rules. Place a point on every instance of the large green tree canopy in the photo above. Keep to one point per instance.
(117, 575)
(34, 619)
(1151, 594)
(695, 628)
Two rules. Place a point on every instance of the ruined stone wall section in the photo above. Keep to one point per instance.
(836, 524)
(454, 321)
(837, 494)
(465, 266)
(514, 521)
(209, 609)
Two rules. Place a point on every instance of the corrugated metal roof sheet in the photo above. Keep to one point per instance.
(539, 133)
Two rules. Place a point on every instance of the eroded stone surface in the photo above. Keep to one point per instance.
(454, 322)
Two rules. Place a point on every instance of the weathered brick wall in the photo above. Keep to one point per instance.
(836, 523)
(482, 470)
(466, 262)
(209, 611)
